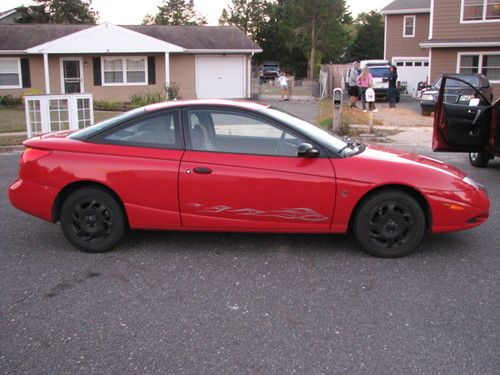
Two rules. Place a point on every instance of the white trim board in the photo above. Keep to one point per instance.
(458, 44)
(406, 11)
(105, 38)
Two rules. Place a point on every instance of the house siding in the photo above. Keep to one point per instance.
(182, 72)
(397, 45)
(444, 60)
(447, 24)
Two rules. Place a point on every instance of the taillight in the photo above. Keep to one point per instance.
(32, 154)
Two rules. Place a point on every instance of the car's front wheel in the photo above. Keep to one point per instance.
(389, 224)
(92, 220)
(425, 112)
(479, 159)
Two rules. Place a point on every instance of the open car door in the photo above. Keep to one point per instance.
(463, 125)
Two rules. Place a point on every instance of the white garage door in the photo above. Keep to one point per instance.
(221, 77)
(412, 71)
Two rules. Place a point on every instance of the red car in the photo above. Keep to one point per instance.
(471, 123)
(237, 166)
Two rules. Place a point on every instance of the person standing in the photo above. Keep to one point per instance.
(365, 81)
(393, 80)
(283, 83)
(353, 89)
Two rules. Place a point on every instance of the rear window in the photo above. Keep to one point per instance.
(382, 72)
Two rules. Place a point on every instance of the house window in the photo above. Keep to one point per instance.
(120, 71)
(480, 10)
(485, 63)
(10, 73)
(409, 26)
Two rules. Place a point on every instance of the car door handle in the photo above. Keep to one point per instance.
(202, 170)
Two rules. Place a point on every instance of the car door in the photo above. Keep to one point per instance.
(462, 125)
(241, 172)
(140, 161)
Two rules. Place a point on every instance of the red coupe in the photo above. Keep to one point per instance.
(219, 165)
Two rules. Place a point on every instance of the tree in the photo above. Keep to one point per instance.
(369, 40)
(175, 12)
(59, 11)
(317, 25)
(248, 15)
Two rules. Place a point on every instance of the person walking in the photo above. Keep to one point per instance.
(393, 81)
(283, 83)
(352, 85)
(365, 81)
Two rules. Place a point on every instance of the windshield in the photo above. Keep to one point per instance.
(450, 82)
(271, 68)
(100, 126)
(324, 138)
(382, 72)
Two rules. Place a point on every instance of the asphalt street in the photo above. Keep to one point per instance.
(208, 303)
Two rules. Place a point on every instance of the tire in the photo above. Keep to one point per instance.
(92, 220)
(425, 112)
(479, 159)
(389, 224)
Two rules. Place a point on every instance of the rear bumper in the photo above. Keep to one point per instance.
(32, 198)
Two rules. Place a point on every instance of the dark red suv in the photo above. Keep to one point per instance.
(471, 125)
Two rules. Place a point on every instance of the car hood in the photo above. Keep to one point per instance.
(408, 158)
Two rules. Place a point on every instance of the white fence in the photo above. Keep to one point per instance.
(48, 113)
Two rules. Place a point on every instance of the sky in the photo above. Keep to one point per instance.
(129, 12)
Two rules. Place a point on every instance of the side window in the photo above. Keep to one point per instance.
(156, 131)
(235, 132)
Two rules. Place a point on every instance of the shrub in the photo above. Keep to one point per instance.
(172, 91)
(149, 97)
(9, 101)
(107, 105)
(30, 92)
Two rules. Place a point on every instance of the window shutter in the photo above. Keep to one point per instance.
(25, 72)
(96, 62)
(151, 70)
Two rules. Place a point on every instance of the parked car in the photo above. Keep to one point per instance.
(269, 71)
(217, 165)
(469, 124)
(379, 70)
(455, 91)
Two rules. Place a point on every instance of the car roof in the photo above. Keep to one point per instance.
(212, 102)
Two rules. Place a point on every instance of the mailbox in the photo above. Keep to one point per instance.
(370, 95)
(337, 96)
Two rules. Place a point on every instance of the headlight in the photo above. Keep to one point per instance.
(465, 98)
(429, 97)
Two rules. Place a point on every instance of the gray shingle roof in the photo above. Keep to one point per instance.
(23, 36)
(398, 5)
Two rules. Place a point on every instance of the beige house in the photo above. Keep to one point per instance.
(115, 62)
(426, 38)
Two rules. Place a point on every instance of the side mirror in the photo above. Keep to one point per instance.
(306, 150)
(474, 102)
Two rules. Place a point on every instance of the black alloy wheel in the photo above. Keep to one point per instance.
(92, 220)
(479, 159)
(389, 224)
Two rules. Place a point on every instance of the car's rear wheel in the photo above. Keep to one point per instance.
(389, 224)
(92, 220)
(479, 159)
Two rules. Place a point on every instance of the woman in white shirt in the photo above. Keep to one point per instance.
(283, 83)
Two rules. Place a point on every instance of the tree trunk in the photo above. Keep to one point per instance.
(312, 56)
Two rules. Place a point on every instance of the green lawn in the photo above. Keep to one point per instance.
(14, 119)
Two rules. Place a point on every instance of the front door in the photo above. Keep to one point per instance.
(242, 172)
(72, 76)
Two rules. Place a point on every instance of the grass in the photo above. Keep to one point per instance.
(14, 119)
(12, 140)
(350, 116)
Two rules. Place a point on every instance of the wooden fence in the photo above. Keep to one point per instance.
(335, 76)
